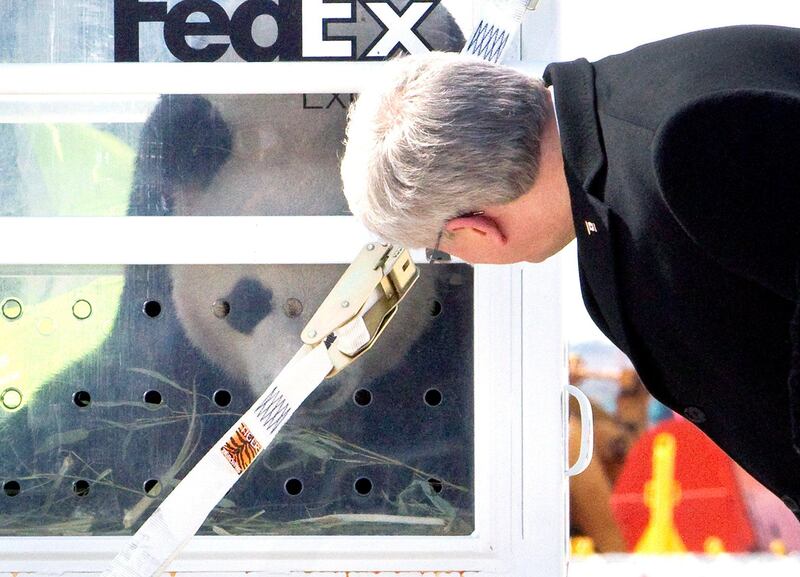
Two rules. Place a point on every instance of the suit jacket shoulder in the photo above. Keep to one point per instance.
(720, 109)
(647, 84)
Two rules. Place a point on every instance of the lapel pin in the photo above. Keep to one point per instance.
(590, 227)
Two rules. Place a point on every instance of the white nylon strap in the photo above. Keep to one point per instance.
(352, 336)
(182, 513)
(498, 26)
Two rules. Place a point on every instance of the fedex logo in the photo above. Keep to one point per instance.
(302, 29)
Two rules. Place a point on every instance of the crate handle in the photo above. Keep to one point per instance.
(587, 432)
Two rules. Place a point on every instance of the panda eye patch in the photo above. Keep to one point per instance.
(250, 303)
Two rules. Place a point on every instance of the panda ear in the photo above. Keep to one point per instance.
(183, 144)
(442, 32)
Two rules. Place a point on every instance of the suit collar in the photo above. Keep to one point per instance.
(577, 119)
(584, 165)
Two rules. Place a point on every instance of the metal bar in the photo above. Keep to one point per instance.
(188, 78)
(150, 79)
(180, 240)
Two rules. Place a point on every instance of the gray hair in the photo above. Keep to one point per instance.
(439, 136)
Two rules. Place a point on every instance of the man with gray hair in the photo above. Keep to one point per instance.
(674, 164)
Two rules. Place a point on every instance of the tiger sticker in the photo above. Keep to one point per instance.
(241, 449)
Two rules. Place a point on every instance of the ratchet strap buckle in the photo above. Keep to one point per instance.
(362, 303)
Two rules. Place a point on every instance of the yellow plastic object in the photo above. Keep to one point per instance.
(47, 337)
(582, 546)
(777, 547)
(79, 171)
(364, 299)
(85, 171)
(661, 494)
(714, 545)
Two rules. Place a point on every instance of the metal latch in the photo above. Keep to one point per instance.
(365, 299)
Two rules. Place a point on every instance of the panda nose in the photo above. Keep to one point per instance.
(250, 303)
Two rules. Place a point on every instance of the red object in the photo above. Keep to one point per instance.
(711, 504)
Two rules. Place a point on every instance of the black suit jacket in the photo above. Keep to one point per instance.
(683, 163)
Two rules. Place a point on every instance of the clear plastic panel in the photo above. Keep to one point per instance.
(187, 155)
(115, 381)
(53, 31)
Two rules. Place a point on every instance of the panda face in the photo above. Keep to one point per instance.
(248, 319)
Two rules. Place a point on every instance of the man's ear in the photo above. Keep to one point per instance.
(482, 227)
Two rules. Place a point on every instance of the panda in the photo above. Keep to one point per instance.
(193, 346)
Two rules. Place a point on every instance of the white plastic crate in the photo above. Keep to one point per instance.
(520, 479)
